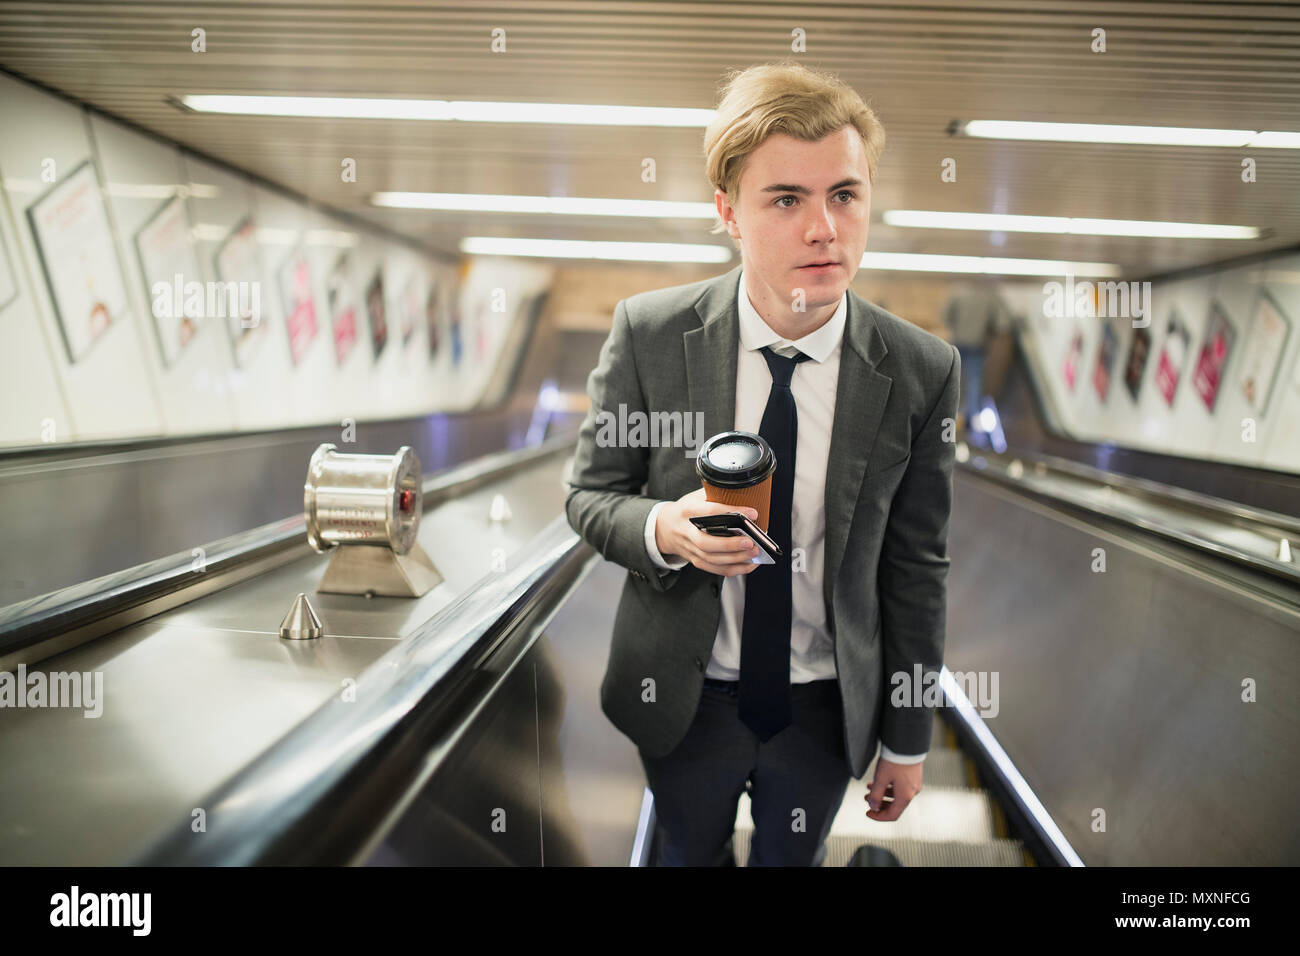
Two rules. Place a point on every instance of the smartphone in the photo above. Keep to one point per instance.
(733, 524)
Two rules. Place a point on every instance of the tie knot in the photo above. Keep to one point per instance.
(782, 368)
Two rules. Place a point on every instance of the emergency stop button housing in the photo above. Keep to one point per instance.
(367, 509)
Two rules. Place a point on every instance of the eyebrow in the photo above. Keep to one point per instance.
(805, 191)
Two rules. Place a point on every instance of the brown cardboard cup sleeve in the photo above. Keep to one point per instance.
(736, 468)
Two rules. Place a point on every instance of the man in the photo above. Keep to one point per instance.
(782, 685)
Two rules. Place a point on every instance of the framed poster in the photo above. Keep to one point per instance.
(1105, 360)
(8, 283)
(75, 245)
(1135, 367)
(1173, 356)
(299, 304)
(409, 307)
(1262, 353)
(240, 271)
(456, 345)
(433, 318)
(169, 264)
(1072, 358)
(375, 311)
(1208, 374)
(342, 306)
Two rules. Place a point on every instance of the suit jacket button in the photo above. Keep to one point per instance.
(699, 664)
(717, 588)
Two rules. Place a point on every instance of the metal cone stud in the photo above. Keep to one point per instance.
(499, 510)
(301, 623)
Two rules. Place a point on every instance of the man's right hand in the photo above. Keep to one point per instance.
(676, 537)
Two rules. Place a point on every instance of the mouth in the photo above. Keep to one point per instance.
(826, 264)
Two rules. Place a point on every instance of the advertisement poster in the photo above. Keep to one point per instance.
(1208, 374)
(299, 304)
(343, 306)
(409, 307)
(1173, 355)
(1105, 361)
(8, 285)
(1135, 367)
(454, 310)
(1262, 353)
(375, 311)
(241, 306)
(433, 319)
(75, 246)
(165, 252)
(1072, 359)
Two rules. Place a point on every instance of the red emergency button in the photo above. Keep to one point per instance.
(406, 501)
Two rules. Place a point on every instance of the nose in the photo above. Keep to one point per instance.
(820, 226)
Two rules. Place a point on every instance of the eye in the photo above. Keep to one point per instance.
(780, 198)
(847, 192)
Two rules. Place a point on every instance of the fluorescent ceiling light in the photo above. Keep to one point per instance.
(986, 265)
(1136, 135)
(469, 111)
(579, 249)
(551, 205)
(1062, 225)
(683, 252)
(1276, 140)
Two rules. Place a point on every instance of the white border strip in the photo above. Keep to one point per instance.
(1008, 769)
(646, 820)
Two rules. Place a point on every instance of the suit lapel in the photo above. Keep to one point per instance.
(711, 356)
(860, 396)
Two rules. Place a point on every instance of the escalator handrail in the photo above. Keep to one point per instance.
(1223, 509)
(1289, 573)
(321, 793)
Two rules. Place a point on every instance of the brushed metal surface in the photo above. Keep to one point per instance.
(592, 779)
(1122, 690)
(184, 708)
(457, 534)
(481, 808)
(193, 695)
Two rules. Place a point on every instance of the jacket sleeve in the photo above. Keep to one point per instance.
(913, 572)
(605, 504)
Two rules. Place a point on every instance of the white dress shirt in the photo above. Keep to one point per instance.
(812, 653)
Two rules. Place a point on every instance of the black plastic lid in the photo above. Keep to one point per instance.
(735, 460)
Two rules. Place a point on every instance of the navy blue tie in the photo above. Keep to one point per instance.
(764, 704)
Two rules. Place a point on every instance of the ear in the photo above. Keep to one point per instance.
(727, 213)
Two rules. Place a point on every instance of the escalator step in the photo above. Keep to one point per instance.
(840, 849)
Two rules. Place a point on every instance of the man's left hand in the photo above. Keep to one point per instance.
(892, 789)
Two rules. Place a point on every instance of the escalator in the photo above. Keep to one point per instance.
(464, 727)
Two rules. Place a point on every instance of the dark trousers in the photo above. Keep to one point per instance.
(798, 779)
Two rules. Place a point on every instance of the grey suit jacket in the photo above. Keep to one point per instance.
(888, 495)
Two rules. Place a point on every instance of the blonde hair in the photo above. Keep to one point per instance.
(788, 98)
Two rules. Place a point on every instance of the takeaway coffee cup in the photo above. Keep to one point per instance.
(736, 468)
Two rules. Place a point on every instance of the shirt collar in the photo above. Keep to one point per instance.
(817, 345)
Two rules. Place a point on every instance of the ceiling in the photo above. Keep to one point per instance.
(920, 65)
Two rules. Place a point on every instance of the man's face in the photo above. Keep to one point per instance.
(801, 204)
